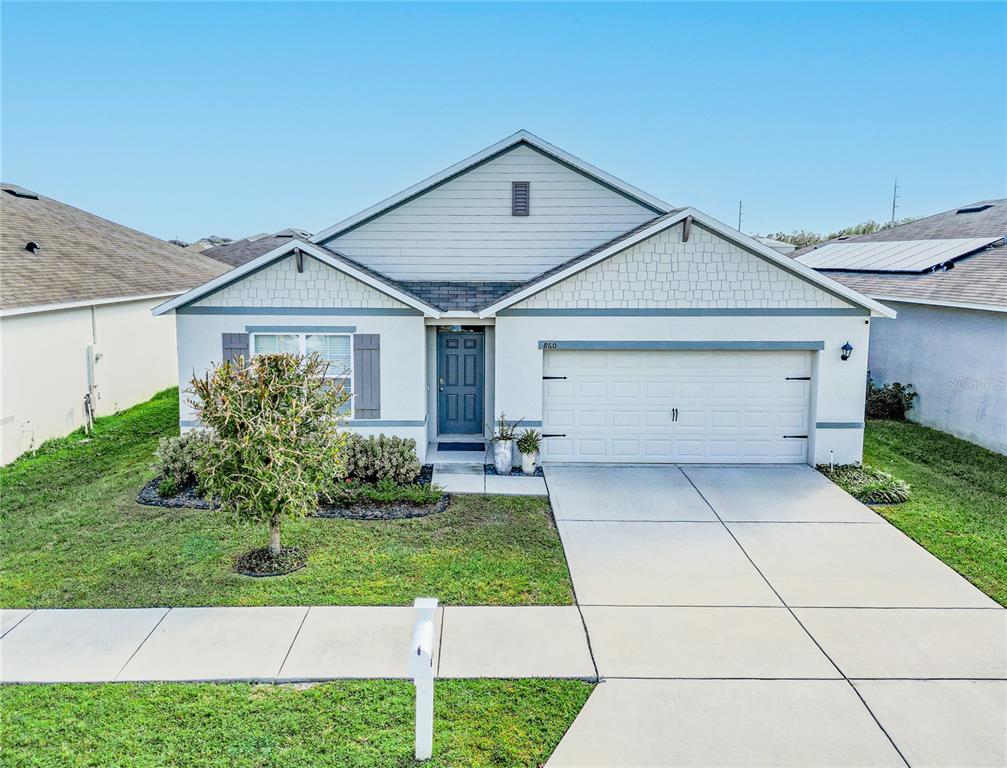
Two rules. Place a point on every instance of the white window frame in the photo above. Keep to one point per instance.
(302, 349)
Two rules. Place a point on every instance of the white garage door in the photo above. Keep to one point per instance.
(651, 406)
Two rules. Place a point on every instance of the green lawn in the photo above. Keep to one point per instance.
(346, 723)
(958, 508)
(73, 536)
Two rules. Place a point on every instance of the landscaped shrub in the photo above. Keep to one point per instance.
(350, 492)
(277, 439)
(374, 459)
(867, 484)
(177, 460)
(890, 401)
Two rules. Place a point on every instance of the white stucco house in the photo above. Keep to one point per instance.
(946, 276)
(524, 280)
(76, 330)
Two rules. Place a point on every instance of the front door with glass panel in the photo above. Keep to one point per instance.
(460, 367)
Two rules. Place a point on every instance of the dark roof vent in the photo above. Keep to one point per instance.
(974, 208)
(17, 191)
(31, 246)
(520, 198)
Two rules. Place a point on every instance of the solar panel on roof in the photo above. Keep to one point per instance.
(892, 255)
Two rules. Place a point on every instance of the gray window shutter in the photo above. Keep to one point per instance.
(234, 345)
(367, 376)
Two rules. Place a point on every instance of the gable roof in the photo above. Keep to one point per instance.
(238, 252)
(976, 282)
(328, 256)
(973, 275)
(495, 150)
(666, 221)
(83, 258)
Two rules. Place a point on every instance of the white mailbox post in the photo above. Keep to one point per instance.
(421, 670)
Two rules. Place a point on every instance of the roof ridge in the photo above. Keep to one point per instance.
(484, 155)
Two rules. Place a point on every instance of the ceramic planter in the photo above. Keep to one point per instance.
(503, 456)
(528, 463)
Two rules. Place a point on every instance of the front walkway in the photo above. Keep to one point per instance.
(761, 616)
(285, 644)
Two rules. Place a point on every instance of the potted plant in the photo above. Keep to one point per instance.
(503, 444)
(528, 444)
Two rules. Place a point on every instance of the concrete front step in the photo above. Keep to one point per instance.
(459, 478)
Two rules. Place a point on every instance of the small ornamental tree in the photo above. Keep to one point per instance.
(277, 440)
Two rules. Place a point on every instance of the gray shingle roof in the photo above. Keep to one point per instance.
(238, 252)
(461, 296)
(978, 278)
(83, 257)
(949, 225)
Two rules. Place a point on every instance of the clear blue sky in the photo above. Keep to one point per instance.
(189, 119)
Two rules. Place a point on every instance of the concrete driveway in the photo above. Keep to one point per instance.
(761, 616)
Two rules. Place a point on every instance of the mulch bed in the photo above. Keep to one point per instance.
(392, 511)
(259, 563)
(187, 497)
(489, 469)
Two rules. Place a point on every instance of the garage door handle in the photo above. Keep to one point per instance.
(674, 414)
(553, 378)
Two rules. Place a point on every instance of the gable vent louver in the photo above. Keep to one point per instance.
(520, 200)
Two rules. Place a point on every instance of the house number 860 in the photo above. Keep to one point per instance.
(548, 345)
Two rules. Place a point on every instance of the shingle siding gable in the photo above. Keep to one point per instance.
(663, 272)
(281, 285)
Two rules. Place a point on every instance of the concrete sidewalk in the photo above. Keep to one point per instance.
(285, 644)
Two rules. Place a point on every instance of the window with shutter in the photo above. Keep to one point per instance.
(520, 203)
(333, 348)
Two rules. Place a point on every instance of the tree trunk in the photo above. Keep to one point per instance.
(274, 536)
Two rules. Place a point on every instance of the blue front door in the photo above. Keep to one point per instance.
(460, 369)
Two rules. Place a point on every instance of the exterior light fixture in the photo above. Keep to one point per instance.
(847, 351)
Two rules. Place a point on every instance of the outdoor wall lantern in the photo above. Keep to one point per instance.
(847, 351)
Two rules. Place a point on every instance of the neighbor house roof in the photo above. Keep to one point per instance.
(953, 258)
(976, 282)
(238, 252)
(495, 150)
(83, 258)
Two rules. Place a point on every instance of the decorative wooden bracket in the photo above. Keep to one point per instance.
(299, 258)
(686, 229)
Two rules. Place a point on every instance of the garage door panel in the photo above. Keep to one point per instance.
(731, 406)
(625, 419)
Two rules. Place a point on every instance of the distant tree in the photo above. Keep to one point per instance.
(803, 238)
(277, 437)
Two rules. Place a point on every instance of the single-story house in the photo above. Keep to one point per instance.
(946, 275)
(75, 322)
(526, 281)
